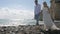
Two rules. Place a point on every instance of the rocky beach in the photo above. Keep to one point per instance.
(26, 29)
(21, 29)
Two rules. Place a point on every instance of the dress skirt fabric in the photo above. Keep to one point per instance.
(47, 18)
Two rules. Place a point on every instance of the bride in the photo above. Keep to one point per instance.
(47, 18)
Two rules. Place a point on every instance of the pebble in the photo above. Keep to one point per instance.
(29, 29)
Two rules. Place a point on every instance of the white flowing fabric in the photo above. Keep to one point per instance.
(47, 19)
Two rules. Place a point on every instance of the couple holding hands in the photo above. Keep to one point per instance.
(48, 22)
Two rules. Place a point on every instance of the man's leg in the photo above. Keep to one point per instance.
(37, 19)
(37, 22)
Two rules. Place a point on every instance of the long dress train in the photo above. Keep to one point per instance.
(47, 20)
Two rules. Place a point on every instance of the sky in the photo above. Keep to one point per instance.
(18, 9)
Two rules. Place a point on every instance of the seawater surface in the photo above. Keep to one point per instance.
(16, 22)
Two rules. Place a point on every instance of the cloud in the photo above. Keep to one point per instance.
(15, 13)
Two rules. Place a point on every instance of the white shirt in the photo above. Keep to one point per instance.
(37, 9)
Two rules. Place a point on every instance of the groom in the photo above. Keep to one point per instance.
(37, 12)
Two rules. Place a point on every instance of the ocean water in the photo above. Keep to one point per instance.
(16, 22)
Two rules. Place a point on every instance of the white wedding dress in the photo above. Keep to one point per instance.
(47, 20)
